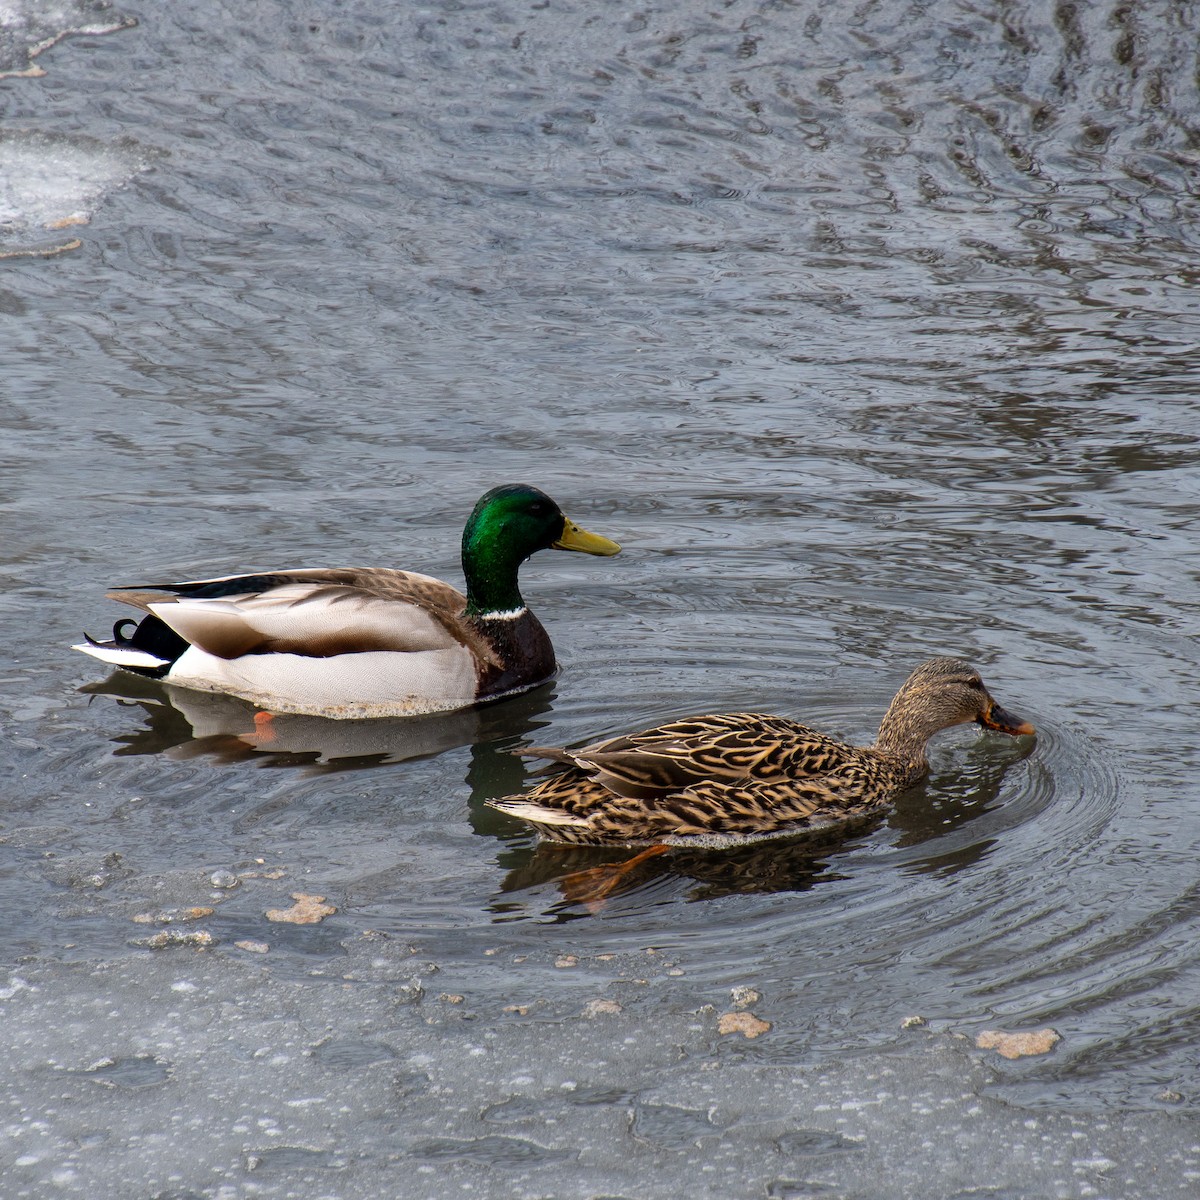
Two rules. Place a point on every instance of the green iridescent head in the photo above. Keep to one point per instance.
(507, 525)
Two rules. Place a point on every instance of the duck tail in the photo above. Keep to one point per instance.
(550, 752)
(536, 814)
(122, 656)
(137, 650)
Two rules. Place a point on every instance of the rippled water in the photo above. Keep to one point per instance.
(869, 331)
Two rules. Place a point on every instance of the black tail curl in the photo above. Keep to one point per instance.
(153, 636)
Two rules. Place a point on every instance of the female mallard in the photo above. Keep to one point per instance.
(360, 642)
(738, 775)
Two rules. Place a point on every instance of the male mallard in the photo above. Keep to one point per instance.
(733, 776)
(360, 642)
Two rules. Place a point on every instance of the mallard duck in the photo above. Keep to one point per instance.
(360, 642)
(732, 776)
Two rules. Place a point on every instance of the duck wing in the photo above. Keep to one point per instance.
(728, 749)
(573, 808)
(315, 613)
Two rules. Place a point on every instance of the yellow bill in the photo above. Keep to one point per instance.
(575, 538)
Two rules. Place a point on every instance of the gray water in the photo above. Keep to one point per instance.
(869, 331)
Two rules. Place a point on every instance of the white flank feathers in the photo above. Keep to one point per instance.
(410, 662)
(374, 683)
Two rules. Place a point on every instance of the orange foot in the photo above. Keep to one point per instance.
(595, 884)
(264, 732)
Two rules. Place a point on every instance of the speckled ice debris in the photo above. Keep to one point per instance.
(9, 989)
(120, 1081)
(51, 183)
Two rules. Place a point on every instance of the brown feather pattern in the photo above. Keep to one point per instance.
(740, 775)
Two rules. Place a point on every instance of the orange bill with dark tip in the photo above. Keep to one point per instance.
(1001, 719)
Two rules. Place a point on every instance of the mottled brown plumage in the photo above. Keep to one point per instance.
(736, 775)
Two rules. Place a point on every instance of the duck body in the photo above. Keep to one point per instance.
(732, 777)
(359, 642)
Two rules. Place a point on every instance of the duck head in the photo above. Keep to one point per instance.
(506, 526)
(941, 693)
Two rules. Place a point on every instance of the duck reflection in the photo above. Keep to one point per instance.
(180, 723)
(939, 814)
(591, 876)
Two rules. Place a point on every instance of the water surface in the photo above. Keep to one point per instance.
(868, 331)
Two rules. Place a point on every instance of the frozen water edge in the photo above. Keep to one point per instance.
(29, 28)
(53, 182)
(201, 1074)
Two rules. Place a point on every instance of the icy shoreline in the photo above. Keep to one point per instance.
(191, 1073)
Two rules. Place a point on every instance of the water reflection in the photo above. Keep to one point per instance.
(180, 723)
(848, 440)
(951, 801)
(589, 877)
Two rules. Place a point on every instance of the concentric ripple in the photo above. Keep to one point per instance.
(869, 331)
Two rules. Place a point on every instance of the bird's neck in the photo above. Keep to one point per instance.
(903, 735)
(490, 570)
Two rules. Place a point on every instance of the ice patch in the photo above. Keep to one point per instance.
(53, 182)
(28, 27)
(17, 985)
